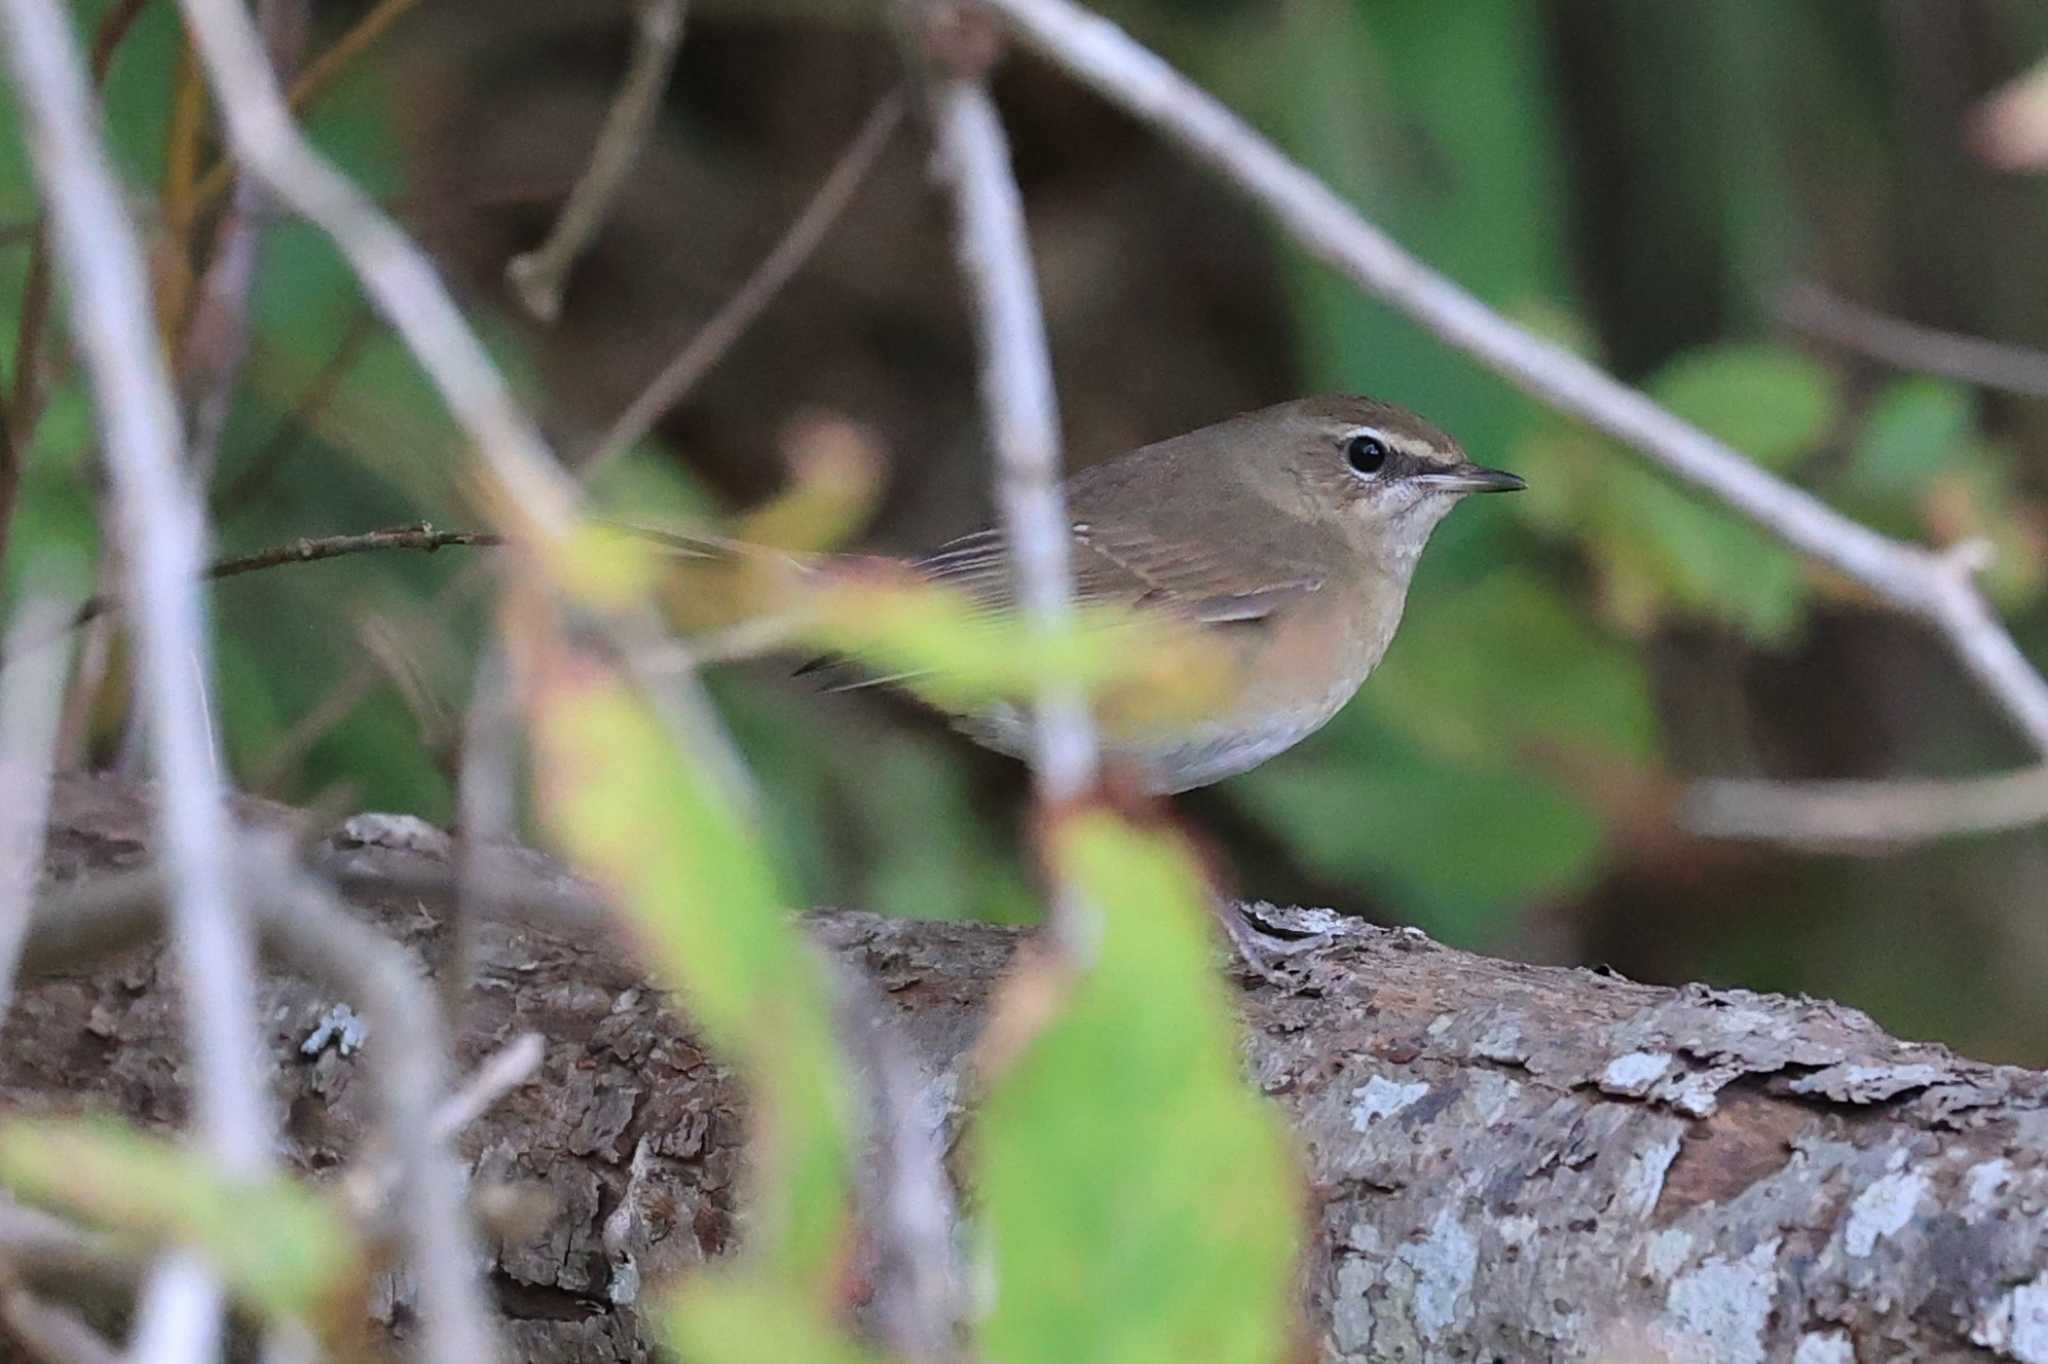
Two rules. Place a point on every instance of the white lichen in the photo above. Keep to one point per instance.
(1642, 1183)
(2016, 1323)
(1881, 1210)
(1824, 1347)
(1721, 1309)
(1634, 1073)
(1380, 1098)
(1444, 1263)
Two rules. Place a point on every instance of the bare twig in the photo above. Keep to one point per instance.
(160, 520)
(320, 73)
(262, 466)
(918, 1287)
(177, 1313)
(422, 537)
(53, 1334)
(1907, 576)
(373, 1182)
(305, 921)
(972, 158)
(24, 405)
(484, 814)
(703, 350)
(538, 276)
(1866, 815)
(80, 923)
(217, 332)
(503, 1071)
(31, 698)
(711, 341)
(397, 275)
(1910, 346)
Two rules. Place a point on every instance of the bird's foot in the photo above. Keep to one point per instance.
(1269, 956)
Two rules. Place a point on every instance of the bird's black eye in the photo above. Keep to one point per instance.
(1366, 454)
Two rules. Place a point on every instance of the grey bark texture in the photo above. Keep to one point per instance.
(1506, 1162)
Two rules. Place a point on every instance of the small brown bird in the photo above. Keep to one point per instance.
(1289, 535)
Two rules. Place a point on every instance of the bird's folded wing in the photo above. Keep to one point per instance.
(1119, 564)
(1112, 565)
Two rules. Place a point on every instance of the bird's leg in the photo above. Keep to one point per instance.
(1263, 953)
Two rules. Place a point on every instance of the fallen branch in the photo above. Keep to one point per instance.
(1506, 1161)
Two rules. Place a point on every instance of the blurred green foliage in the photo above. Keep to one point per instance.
(1452, 794)
(1137, 1199)
(280, 1246)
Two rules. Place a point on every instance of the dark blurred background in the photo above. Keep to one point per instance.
(1642, 181)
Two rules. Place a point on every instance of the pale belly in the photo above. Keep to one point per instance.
(1185, 759)
(1269, 716)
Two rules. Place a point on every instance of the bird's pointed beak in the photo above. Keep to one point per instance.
(1472, 478)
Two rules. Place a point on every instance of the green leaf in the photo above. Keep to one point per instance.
(1916, 429)
(741, 1318)
(1699, 557)
(1549, 674)
(1452, 846)
(1136, 1196)
(1140, 667)
(280, 1246)
(1771, 403)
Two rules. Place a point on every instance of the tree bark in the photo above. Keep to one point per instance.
(1507, 1162)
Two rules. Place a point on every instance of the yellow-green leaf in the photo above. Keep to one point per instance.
(280, 1247)
(740, 1318)
(1136, 1195)
(654, 824)
(1771, 403)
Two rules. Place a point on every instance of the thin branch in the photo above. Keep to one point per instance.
(421, 537)
(1907, 576)
(373, 1182)
(310, 926)
(159, 519)
(917, 1283)
(301, 922)
(396, 274)
(24, 404)
(1910, 346)
(538, 276)
(31, 699)
(177, 210)
(216, 339)
(261, 467)
(1866, 815)
(484, 802)
(503, 1071)
(320, 73)
(725, 327)
(81, 922)
(53, 1334)
(177, 1313)
(704, 349)
(972, 159)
